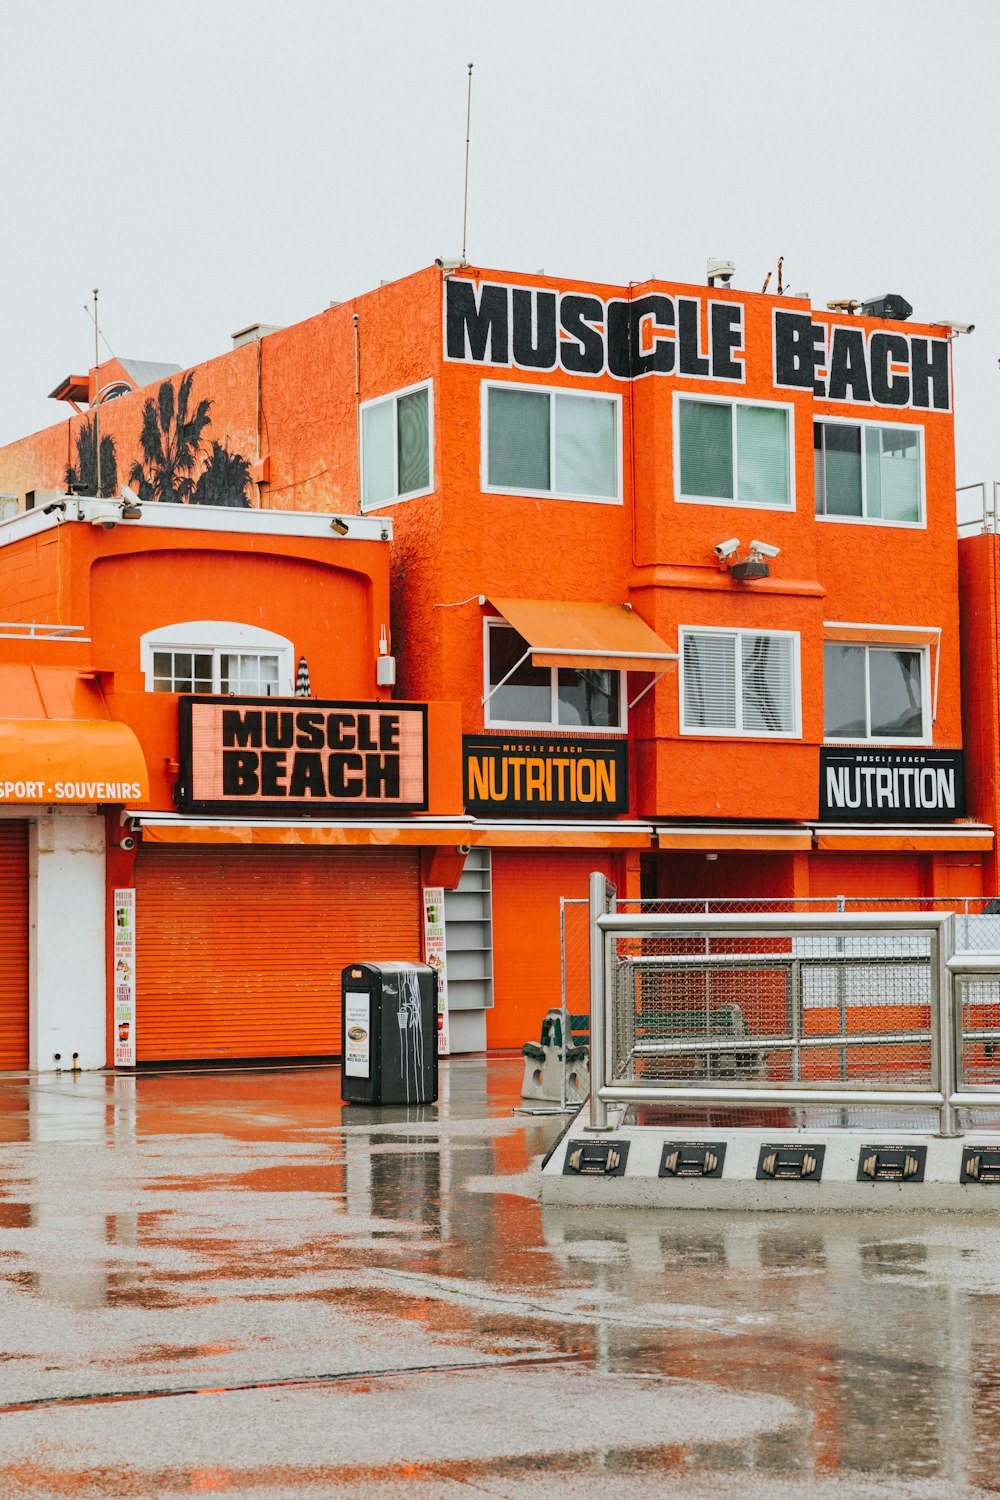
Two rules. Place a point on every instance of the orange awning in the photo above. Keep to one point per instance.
(70, 761)
(882, 635)
(567, 633)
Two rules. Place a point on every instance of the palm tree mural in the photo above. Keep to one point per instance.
(224, 480)
(171, 442)
(82, 475)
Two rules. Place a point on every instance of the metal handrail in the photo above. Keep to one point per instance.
(945, 1036)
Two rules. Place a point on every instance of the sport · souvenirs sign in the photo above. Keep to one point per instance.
(890, 784)
(273, 757)
(535, 776)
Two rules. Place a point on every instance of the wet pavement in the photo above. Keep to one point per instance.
(229, 1284)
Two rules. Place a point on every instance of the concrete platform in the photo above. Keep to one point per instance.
(691, 1166)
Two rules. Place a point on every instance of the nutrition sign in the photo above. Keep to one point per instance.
(532, 776)
(274, 756)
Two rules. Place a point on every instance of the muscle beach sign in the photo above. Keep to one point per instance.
(280, 757)
(702, 338)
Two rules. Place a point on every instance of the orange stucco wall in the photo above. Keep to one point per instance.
(288, 404)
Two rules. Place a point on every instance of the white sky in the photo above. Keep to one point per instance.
(216, 163)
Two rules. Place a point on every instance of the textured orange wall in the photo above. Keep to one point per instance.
(978, 580)
(651, 551)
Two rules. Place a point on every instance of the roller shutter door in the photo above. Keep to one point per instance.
(527, 954)
(13, 944)
(866, 874)
(239, 951)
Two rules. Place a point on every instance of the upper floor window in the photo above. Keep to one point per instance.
(733, 452)
(397, 459)
(874, 692)
(866, 472)
(217, 656)
(739, 682)
(520, 694)
(545, 442)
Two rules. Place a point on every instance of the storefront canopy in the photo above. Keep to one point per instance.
(57, 744)
(565, 633)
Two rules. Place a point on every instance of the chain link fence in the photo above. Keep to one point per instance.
(821, 1009)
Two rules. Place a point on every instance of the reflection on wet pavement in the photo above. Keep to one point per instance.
(229, 1284)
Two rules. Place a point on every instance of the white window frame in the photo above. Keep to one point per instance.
(552, 725)
(926, 707)
(864, 519)
(394, 396)
(733, 402)
(704, 731)
(547, 390)
(219, 638)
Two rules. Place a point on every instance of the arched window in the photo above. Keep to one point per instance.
(217, 656)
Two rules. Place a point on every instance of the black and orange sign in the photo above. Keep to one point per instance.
(532, 776)
(276, 756)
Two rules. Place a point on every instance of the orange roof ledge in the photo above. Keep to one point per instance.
(73, 388)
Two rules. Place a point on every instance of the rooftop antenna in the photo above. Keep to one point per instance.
(465, 196)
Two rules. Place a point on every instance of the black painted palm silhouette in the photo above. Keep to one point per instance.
(171, 441)
(82, 476)
(224, 480)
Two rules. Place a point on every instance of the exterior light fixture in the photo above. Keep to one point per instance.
(339, 525)
(131, 504)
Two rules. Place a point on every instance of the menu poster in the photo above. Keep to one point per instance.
(434, 954)
(124, 978)
(357, 1034)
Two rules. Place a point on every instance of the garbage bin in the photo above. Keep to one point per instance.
(389, 1034)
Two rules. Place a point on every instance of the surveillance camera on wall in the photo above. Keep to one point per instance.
(127, 843)
(723, 550)
(721, 270)
(449, 265)
(765, 549)
(953, 325)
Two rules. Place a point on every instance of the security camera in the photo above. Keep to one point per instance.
(449, 265)
(723, 550)
(844, 304)
(465, 848)
(721, 270)
(127, 843)
(953, 325)
(764, 549)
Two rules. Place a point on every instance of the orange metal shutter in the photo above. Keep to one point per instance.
(865, 874)
(239, 951)
(13, 944)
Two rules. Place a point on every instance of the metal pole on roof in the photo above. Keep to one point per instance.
(97, 394)
(465, 196)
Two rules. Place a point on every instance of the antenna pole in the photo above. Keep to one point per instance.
(97, 392)
(465, 196)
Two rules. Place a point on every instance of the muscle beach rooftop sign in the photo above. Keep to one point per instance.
(703, 338)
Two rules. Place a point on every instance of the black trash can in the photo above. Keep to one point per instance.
(389, 1039)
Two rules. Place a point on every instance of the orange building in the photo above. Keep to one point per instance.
(684, 559)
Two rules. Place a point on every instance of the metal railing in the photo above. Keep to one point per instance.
(852, 1010)
(976, 927)
(975, 519)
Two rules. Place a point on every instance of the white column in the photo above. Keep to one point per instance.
(68, 986)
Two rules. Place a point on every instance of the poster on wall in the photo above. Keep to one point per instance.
(434, 953)
(124, 978)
